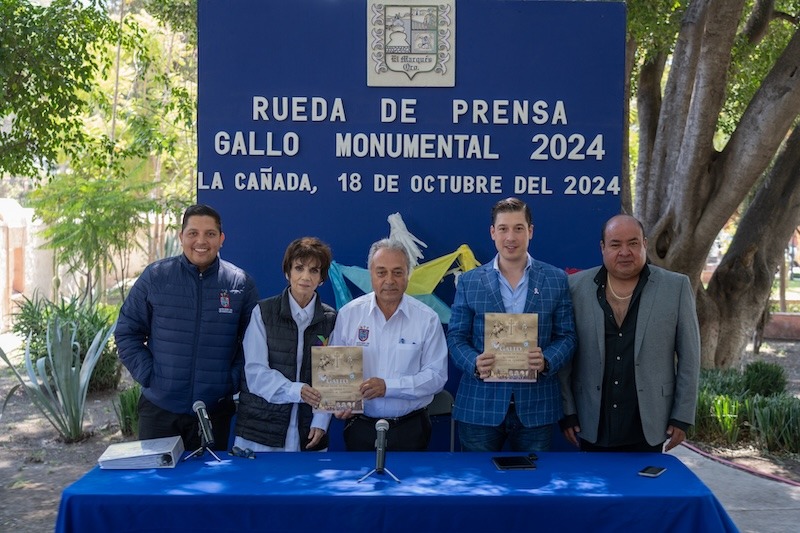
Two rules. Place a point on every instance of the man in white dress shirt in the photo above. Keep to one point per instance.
(405, 354)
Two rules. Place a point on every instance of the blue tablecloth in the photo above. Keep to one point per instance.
(442, 492)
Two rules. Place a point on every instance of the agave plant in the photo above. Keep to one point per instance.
(57, 384)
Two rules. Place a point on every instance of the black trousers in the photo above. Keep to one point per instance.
(409, 433)
(155, 422)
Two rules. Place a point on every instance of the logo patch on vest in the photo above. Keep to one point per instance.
(224, 303)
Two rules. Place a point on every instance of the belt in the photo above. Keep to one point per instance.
(394, 421)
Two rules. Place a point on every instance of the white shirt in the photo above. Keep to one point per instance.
(408, 352)
(271, 384)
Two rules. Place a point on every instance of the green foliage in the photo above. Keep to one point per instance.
(751, 63)
(126, 408)
(719, 417)
(704, 427)
(34, 315)
(180, 14)
(138, 146)
(722, 381)
(764, 379)
(726, 415)
(48, 63)
(91, 218)
(752, 405)
(777, 423)
(654, 24)
(57, 384)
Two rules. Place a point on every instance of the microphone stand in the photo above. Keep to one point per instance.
(204, 446)
(200, 451)
(375, 471)
(204, 432)
(381, 427)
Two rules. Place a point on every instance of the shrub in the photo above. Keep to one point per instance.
(764, 379)
(704, 428)
(31, 322)
(58, 382)
(126, 407)
(718, 381)
(726, 416)
(729, 410)
(719, 417)
(777, 423)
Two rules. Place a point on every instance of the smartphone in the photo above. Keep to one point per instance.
(513, 462)
(651, 471)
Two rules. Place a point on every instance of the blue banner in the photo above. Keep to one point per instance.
(325, 117)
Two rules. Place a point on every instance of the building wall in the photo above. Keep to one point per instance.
(27, 267)
(4, 286)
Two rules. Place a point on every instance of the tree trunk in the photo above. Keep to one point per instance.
(686, 191)
(742, 283)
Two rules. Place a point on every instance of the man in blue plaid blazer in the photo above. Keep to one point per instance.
(491, 413)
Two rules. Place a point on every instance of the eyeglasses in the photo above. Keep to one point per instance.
(247, 453)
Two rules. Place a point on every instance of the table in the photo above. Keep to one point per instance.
(439, 491)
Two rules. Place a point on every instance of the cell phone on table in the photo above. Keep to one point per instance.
(652, 471)
(513, 462)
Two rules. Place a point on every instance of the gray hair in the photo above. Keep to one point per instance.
(389, 244)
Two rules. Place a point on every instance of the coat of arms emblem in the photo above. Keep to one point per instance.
(411, 44)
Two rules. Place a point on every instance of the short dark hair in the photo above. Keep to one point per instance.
(605, 225)
(511, 205)
(306, 248)
(201, 210)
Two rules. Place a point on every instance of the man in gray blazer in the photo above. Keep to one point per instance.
(632, 383)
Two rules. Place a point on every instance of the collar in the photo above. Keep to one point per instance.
(212, 268)
(496, 265)
(401, 308)
(301, 313)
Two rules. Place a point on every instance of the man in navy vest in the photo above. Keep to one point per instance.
(179, 334)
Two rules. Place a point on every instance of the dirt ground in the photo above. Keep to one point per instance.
(35, 466)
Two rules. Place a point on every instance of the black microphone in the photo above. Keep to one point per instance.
(206, 435)
(381, 426)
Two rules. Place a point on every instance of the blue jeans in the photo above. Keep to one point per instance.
(476, 438)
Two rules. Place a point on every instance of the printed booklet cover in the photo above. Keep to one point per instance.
(337, 372)
(510, 336)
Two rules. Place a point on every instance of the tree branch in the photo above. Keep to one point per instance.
(761, 130)
(758, 21)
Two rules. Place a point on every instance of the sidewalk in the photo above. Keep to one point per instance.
(755, 504)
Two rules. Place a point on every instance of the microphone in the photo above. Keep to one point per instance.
(381, 426)
(206, 435)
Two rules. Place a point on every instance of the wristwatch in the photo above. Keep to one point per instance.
(476, 372)
(546, 368)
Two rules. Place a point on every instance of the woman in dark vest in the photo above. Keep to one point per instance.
(276, 401)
